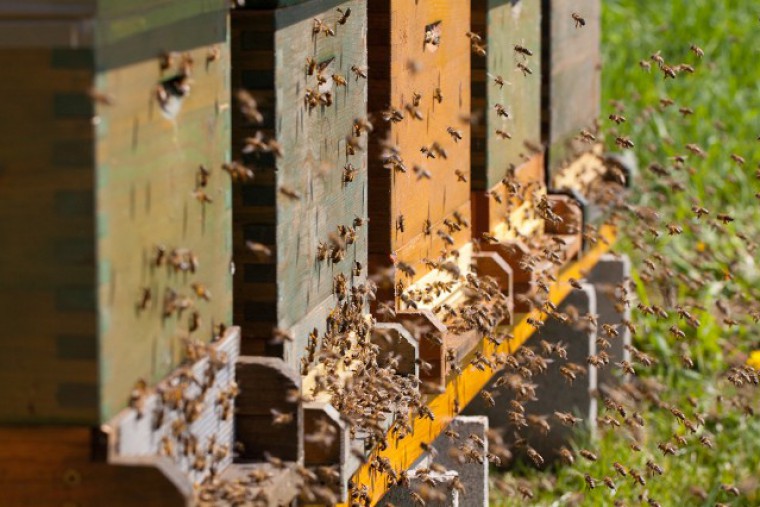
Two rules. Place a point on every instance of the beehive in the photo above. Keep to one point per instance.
(114, 175)
(572, 78)
(299, 202)
(408, 209)
(506, 90)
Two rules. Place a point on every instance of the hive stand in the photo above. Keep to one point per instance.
(472, 474)
(553, 391)
(612, 270)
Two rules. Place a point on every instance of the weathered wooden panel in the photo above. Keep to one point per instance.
(150, 197)
(411, 214)
(505, 78)
(47, 223)
(54, 465)
(572, 77)
(303, 198)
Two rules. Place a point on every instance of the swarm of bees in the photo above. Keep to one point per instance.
(376, 400)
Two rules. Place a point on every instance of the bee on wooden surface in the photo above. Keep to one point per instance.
(503, 134)
(501, 110)
(339, 80)
(579, 21)
(359, 72)
(438, 95)
(349, 173)
(498, 80)
(478, 49)
(146, 296)
(400, 223)
(311, 65)
(202, 197)
(456, 135)
(462, 177)
(290, 193)
(343, 15)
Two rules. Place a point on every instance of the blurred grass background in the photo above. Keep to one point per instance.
(724, 94)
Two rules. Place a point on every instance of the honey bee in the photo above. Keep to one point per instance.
(146, 295)
(501, 110)
(400, 223)
(579, 21)
(697, 50)
(524, 69)
(503, 134)
(290, 193)
(438, 95)
(339, 80)
(588, 455)
(359, 72)
(522, 50)
(343, 15)
(349, 173)
(460, 176)
(201, 291)
(478, 49)
(455, 134)
(202, 197)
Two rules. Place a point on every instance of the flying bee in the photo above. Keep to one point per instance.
(697, 50)
(498, 80)
(738, 159)
(618, 119)
(579, 21)
(685, 111)
(587, 136)
(590, 482)
(624, 142)
(343, 15)
(588, 455)
(524, 69)
(535, 457)
(522, 50)
(280, 418)
(478, 49)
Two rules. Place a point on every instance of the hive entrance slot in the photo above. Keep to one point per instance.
(432, 36)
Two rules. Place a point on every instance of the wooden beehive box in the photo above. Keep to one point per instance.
(299, 202)
(572, 79)
(113, 177)
(408, 209)
(506, 103)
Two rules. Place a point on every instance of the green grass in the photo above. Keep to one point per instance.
(724, 93)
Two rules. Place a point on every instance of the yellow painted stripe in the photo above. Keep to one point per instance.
(464, 387)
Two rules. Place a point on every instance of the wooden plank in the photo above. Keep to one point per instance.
(572, 77)
(47, 225)
(462, 388)
(401, 64)
(147, 170)
(504, 24)
(270, 51)
(53, 465)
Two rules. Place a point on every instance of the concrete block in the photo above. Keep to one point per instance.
(433, 488)
(473, 475)
(609, 272)
(553, 391)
